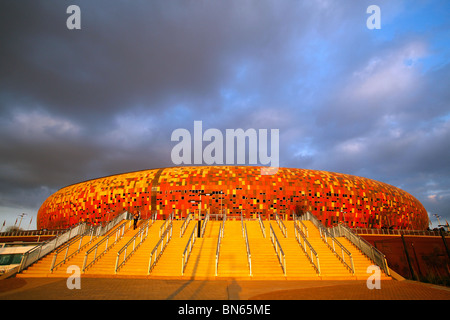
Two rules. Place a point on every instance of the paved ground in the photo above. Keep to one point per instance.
(151, 289)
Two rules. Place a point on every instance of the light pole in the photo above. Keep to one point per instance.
(21, 217)
(437, 217)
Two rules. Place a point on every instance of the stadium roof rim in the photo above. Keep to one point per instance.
(210, 166)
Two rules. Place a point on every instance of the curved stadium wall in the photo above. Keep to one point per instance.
(332, 197)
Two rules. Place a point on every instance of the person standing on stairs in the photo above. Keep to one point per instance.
(136, 217)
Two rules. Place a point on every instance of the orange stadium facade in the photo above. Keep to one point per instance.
(236, 190)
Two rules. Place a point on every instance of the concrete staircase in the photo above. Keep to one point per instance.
(298, 266)
(360, 261)
(42, 267)
(169, 264)
(137, 264)
(105, 266)
(330, 266)
(202, 262)
(233, 262)
(265, 264)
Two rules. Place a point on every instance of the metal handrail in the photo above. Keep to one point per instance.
(281, 225)
(242, 224)
(161, 245)
(78, 239)
(302, 226)
(65, 247)
(304, 243)
(185, 224)
(118, 232)
(261, 225)
(204, 225)
(219, 241)
(104, 229)
(163, 227)
(249, 255)
(340, 254)
(398, 232)
(46, 247)
(28, 233)
(224, 219)
(325, 235)
(278, 250)
(141, 235)
(187, 250)
(370, 251)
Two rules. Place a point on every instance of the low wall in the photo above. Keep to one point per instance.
(414, 256)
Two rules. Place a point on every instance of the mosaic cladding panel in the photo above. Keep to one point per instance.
(332, 197)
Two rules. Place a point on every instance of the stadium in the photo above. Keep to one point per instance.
(236, 190)
(233, 222)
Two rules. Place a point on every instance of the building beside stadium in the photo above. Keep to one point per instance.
(332, 197)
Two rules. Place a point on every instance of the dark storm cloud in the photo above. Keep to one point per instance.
(79, 104)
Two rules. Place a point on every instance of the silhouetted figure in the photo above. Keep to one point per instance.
(136, 219)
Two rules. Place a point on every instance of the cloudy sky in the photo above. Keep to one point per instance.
(105, 99)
